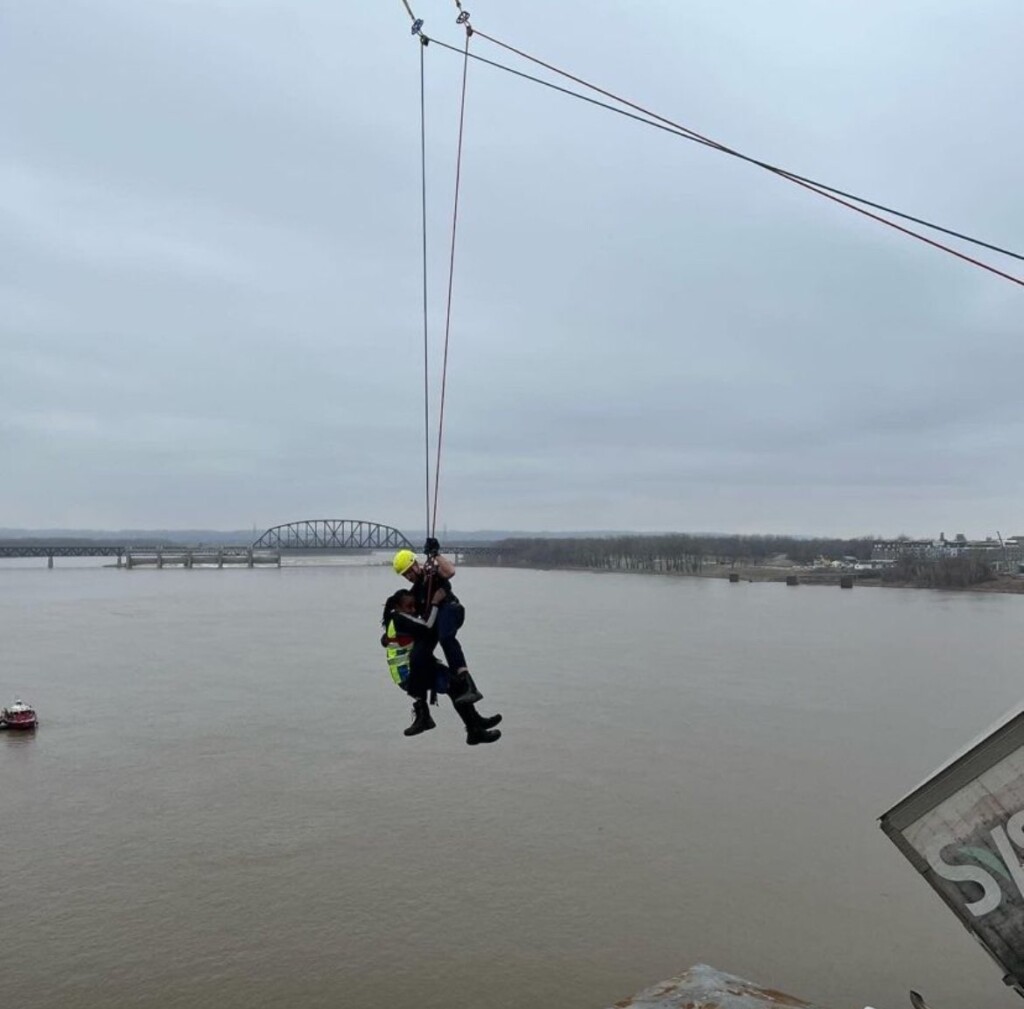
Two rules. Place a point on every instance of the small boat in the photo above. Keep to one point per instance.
(18, 716)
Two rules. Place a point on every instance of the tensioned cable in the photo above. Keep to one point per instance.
(743, 157)
(426, 341)
(417, 25)
(648, 118)
(727, 150)
(451, 282)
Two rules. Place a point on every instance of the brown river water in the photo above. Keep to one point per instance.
(220, 809)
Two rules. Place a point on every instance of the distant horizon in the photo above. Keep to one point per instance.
(246, 535)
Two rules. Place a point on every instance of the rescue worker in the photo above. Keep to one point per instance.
(410, 641)
(436, 573)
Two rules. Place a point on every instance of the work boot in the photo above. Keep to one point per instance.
(463, 689)
(421, 720)
(477, 735)
(473, 720)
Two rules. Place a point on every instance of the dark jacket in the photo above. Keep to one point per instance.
(433, 582)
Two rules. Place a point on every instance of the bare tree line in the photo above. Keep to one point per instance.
(671, 553)
(939, 573)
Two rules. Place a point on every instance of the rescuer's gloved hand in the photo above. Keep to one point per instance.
(431, 548)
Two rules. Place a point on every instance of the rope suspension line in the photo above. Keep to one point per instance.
(451, 271)
(828, 192)
(646, 117)
(417, 30)
(426, 328)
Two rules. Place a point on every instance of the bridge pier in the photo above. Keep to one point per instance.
(199, 557)
(165, 555)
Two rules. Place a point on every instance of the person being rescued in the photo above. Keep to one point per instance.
(410, 641)
(437, 573)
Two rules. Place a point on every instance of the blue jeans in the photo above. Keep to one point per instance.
(450, 617)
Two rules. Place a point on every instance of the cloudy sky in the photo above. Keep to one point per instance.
(210, 272)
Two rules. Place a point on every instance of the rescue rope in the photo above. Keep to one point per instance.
(648, 118)
(417, 30)
(463, 19)
(828, 192)
(426, 330)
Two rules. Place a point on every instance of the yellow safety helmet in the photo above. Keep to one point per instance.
(404, 560)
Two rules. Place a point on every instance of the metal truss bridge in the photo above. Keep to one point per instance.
(30, 549)
(332, 534)
(313, 535)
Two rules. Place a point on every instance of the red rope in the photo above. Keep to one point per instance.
(728, 150)
(451, 283)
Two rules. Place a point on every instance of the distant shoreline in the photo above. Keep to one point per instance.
(1001, 584)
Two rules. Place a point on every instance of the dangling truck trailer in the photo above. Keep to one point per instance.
(963, 830)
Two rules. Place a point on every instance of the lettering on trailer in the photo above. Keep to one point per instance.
(964, 831)
(980, 866)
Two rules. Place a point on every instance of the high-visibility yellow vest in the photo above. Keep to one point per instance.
(398, 655)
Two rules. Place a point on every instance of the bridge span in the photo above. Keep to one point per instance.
(333, 534)
(12, 548)
(304, 536)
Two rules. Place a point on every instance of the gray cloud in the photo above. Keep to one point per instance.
(210, 288)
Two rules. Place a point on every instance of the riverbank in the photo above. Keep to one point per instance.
(826, 576)
(1002, 584)
(817, 576)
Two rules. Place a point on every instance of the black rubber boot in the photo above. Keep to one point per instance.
(421, 720)
(463, 689)
(472, 718)
(477, 735)
(473, 687)
(478, 728)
